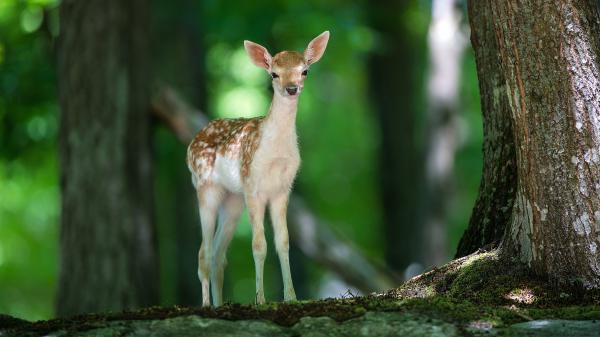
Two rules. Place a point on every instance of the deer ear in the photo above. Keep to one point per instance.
(258, 54)
(316, 48)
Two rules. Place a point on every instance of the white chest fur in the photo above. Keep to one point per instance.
(277, 157)
(275, 163)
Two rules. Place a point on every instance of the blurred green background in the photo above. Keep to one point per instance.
(197, 48)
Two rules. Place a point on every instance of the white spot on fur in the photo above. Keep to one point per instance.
(574, 160)
(578, 125)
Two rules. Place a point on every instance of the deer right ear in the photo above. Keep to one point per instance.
(316, 48)
(258, 54)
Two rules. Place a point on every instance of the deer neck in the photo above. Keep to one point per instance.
(280, 123)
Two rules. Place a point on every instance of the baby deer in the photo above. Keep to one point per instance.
(253, 162)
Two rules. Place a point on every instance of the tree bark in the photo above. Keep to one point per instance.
(179, 58)
(188, 231)
(550, 56)
(494, 204)
(395, 79)
(107, 242)
(548, 53)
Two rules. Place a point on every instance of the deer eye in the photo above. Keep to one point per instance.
(274, 75)
(305, 72)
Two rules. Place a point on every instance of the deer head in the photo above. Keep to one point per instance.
(288, 68)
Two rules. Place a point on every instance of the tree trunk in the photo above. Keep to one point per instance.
(494, 204)
(395, 82)
(108, 252)
(548, 52)
(179, 58)
(446, 46)
(188, 226)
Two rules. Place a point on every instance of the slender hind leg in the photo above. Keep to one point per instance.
(232, 209)
(278, 207)
(209, 199)
(256, 208)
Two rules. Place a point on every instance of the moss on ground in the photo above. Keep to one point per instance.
(482, 287)
(487, 279)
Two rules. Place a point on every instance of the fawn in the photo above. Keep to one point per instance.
(253, 162)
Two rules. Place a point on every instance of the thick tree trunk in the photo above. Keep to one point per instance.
(396, 79)
(493, 207)
(549, 57)
(108, 252)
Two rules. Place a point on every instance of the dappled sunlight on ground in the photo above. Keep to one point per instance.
(524, 295)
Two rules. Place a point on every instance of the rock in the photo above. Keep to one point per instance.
(556, 328)
(371, 324)
(375, 324)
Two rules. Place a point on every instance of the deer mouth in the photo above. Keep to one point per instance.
(292, 91)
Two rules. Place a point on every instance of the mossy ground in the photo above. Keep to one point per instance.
(486, 287)
(479, 289)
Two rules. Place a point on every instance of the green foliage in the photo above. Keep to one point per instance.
(28, 171)
(29, 240)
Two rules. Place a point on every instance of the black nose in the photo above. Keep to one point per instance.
(291, 90)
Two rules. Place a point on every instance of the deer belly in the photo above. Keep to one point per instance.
(227, 173)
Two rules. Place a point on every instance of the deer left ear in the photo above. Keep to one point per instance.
(316, 48)
(258, 54)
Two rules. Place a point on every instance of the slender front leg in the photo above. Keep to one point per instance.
(278, 208)
(256, 208)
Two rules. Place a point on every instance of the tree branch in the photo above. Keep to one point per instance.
(312, 236)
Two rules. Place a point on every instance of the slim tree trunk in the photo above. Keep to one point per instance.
(395, 83)
(108, 253)
(179, 58)
(549, 57)
(446, 42)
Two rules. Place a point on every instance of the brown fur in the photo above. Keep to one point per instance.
(229, 137)
(288, 59)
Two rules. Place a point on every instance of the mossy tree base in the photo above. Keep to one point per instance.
(473, 295)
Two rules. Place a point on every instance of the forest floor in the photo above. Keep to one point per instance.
(478, 295)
